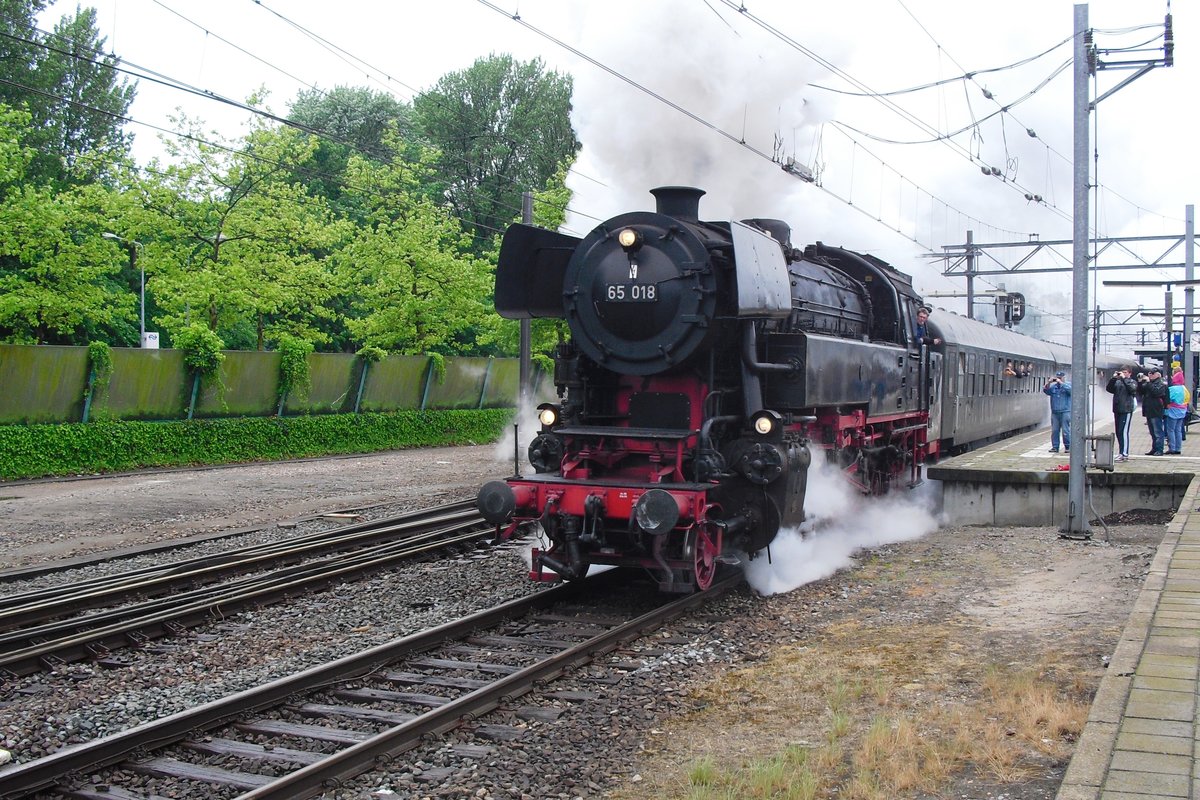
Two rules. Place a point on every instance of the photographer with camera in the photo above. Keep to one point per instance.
(1152, 393)
(1123, 388)
(1059, 389)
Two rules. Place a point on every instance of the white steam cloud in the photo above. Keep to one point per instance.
(634, 142)
(840, 523)
(514, 442)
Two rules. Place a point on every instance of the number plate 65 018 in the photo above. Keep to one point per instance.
(631, 293)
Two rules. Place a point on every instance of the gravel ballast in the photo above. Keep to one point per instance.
(1016, 589)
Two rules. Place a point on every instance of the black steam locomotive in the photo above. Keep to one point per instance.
(705, 362)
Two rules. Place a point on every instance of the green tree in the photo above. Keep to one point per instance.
(349, 121)
(58, 277)
(61, 282)
(248, 248)
(416, 286)
(71, 89)
(502, 336)
(502, 127)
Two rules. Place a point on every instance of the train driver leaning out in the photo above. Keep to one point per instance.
(921, 331)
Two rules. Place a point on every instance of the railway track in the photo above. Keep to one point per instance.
(161, 546)
(36, 633)
(301, 735)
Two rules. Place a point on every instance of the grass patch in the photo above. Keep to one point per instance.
(867, 714)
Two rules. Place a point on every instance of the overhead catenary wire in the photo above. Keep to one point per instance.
(1049, 148)
(716, 129)
(867, 91)
(888, 103)
(208, 94)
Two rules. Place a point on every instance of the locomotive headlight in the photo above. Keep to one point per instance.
(766, 423)
(548, 415)
(656, 511)
(629, 238)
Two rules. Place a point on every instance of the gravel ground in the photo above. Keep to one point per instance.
(54, 519)
(1014, 596)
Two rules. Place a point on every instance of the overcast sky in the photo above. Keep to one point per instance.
(753, 92)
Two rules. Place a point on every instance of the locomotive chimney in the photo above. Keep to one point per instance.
(681, 202)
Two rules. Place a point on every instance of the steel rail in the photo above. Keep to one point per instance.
(44, 604)
(32, 571)
(22, 654)
(21, 780)
(332, 772)
(24, 779)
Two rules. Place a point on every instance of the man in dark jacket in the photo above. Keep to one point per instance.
(1123, 388)
(1152, 393)
(921, 329)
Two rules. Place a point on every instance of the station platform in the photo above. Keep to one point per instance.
(1142, 737)
(1018, 481)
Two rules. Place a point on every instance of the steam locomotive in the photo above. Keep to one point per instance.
(707, 360)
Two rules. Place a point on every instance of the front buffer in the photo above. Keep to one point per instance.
(671, 532)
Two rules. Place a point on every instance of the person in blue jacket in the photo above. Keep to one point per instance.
(1059, 389)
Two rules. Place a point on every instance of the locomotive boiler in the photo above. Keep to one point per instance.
(706, 360)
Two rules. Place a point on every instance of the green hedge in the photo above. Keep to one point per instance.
(29, 451)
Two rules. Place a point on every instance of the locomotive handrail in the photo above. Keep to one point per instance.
(750, 356)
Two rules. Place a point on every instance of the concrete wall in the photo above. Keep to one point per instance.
(1041, 498)
(49, 384)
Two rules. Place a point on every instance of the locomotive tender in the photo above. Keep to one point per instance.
(706, 361)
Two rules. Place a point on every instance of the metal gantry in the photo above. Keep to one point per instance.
(964, 260)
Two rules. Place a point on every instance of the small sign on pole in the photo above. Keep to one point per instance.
(150, 340)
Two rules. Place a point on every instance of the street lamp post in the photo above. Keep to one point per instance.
(133, 246)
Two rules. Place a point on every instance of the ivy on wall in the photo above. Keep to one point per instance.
(294, 376)
(201, 352)
(100, 361)
(371, 354)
